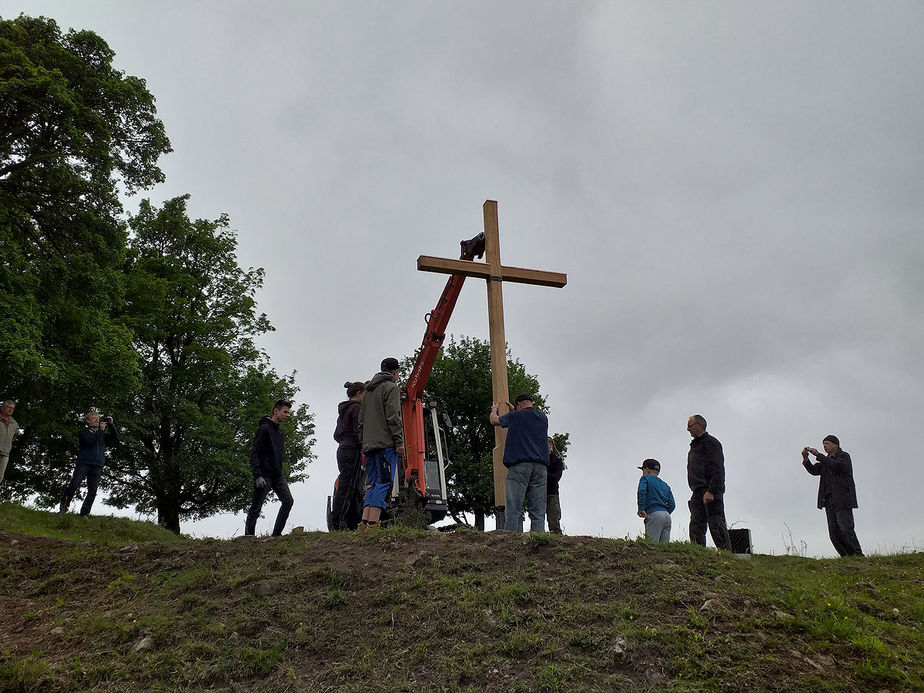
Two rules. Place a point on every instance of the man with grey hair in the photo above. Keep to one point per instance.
(91, 458)
(706, 475)
(8, 430)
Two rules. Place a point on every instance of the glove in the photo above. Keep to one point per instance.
(259, 482)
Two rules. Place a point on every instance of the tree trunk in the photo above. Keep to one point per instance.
(168, 514)
(479, 520)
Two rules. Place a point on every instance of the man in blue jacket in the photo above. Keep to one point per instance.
(91, 458)
(266, 465)
(526, 456)
(837, 493)
(655, 502)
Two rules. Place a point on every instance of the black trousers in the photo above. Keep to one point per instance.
(346, 507)
(280, 487)
(711, 514)
(842, 533)
(92, 473)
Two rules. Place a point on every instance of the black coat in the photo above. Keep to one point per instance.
(836, 489)
(706, 465)
(93, 442)
(556, 468)
(347, 431)
(266, 455)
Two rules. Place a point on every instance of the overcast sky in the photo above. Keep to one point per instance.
(734, 190)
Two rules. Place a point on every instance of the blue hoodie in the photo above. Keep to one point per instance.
(654, 495)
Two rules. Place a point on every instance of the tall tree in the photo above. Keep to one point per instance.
(187, 431)
(72, 130)
(460, 384)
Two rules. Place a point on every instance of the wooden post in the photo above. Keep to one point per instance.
(498, 342)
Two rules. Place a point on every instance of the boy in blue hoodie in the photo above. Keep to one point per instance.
(655, 502)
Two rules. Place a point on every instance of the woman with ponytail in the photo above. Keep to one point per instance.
(346, 507)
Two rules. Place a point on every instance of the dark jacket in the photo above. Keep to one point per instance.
(380, 414)
(706, 465)
(93, 443)
(266, 454)
(836, 489)
(347, 431)
(556, 469)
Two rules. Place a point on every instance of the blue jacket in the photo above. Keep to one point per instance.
(654, 495)
(527, 436)
(93, 442)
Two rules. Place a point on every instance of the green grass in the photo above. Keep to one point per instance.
(406, 610)
(100, 529)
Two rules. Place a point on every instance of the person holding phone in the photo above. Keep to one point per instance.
(837, 493)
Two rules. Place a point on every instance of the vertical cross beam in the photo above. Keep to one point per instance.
(498, 342)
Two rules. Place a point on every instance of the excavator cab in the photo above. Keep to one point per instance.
(435, 460)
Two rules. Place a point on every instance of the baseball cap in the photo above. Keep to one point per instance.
(653, 465)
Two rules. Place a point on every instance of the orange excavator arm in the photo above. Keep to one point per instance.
(412, 406)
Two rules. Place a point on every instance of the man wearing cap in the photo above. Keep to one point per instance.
(381, 434)
(655, 502)
(526, 457)
(837, 493)
(706, 475)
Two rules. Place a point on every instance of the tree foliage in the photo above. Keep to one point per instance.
(157, 330)
(205, 384)
(460, 384)
(72, 129)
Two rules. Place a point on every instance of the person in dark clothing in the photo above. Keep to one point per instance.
(91, 458)
(266, 465)
(346, 507)
(552, 499)
(837, 493)
(706, 476)
(526, 457)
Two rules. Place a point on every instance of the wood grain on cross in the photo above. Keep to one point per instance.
(495, 274)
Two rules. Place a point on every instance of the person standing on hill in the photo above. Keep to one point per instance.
(837, 493)
(552, 497)
(8, 430)
(381, 433)
(526, 457)
(655, 502)
(345, 507)
(706, 475)
(91, 458)
(266, 465)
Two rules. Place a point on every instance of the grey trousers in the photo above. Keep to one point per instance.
(658, 526)
(526, 481)
(553, 513)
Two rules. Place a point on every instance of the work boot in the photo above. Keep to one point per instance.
(368, 526)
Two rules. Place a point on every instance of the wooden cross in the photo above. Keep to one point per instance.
(494, 273)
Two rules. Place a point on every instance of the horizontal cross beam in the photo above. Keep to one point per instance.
(483, 270)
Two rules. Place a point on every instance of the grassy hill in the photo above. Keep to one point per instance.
(108, 604)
